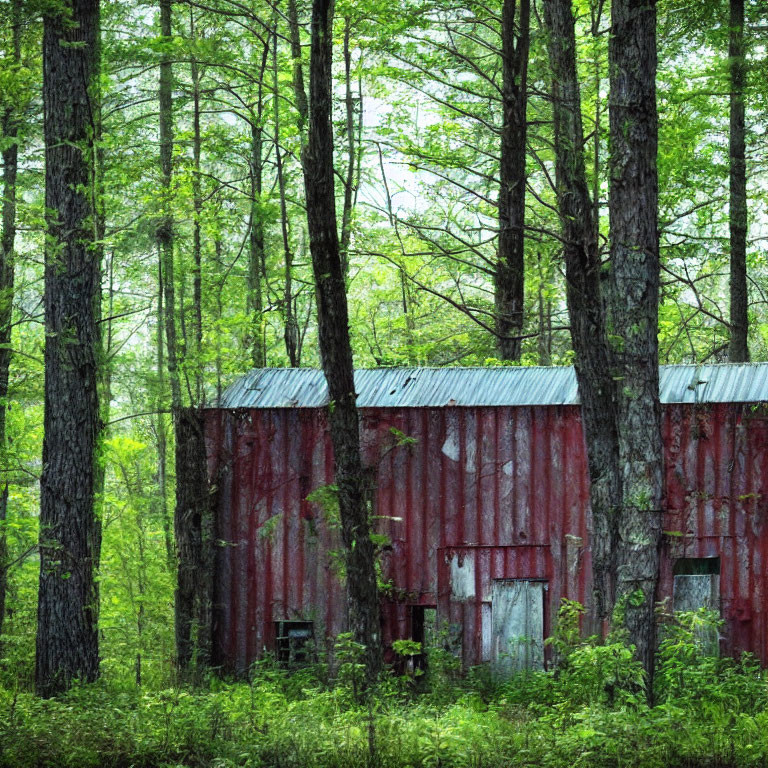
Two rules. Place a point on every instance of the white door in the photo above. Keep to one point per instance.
(517, 625)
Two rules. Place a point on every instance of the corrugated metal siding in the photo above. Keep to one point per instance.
(717, 503)
(504, 486)
(475, 387)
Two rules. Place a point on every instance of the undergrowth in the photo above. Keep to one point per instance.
(592, 711)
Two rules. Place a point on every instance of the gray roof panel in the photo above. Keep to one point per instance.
(445, 387)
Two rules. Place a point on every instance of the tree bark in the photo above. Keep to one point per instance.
(299, 92)
(256, 257)
(544, 342)
(335, 347)
(632, 313)
(10, 129)
(164, 233)
(161, 431)
(192, 514)
(67, 638)
(510, 268)
(194, 533)
(291, 326)
(349, 132)
(585, 303)
(738, 348)
(197, 244)
(255, 301)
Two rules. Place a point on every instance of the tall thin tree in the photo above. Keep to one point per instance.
(192, 513)
(335, 347)
(256, 243)
(67, 637)
(291, 325)
(510, 268)
(738, 348)
(10, 129)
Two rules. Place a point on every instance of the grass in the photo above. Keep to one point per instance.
(592, 712)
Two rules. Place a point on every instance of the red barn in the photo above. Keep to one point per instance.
(480, 491)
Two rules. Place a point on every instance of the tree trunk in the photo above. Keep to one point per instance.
(255, 302)
(164, 233)
(197, 244)
(632, 313)
(335, 347)
(544, 342)
(104, 352)
(67, 637)
(585, 305)
(299, 93)
(510, 268)
(349, 131)
(192, 515)
(161, 431)
(10, 129)
(738, 349)
(256, 259)
(194, 529)
(291, 326)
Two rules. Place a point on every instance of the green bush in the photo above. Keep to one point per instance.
(591, 712)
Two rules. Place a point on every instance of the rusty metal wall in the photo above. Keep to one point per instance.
(717, 502)
(480, 494)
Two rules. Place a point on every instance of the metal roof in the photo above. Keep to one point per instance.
(442, 387)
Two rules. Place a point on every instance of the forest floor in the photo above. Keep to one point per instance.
(709, 713)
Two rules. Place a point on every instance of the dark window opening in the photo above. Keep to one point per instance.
(294, 642)
(697, 566)
(423, 630)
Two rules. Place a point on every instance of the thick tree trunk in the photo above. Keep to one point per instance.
(10, 129)
(738, 349)
(585, 306)
(510, 268)
(104, 353)
(632, 313)
(194, 529)
(67, 638)
(335, 348)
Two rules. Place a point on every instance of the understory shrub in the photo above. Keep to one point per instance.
(591, 712)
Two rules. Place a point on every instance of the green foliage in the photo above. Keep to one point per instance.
(350, 656)
(406, 647)
(327, 498)
(421, 276)
(588, 712)
(589, 672)
(690, 669)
